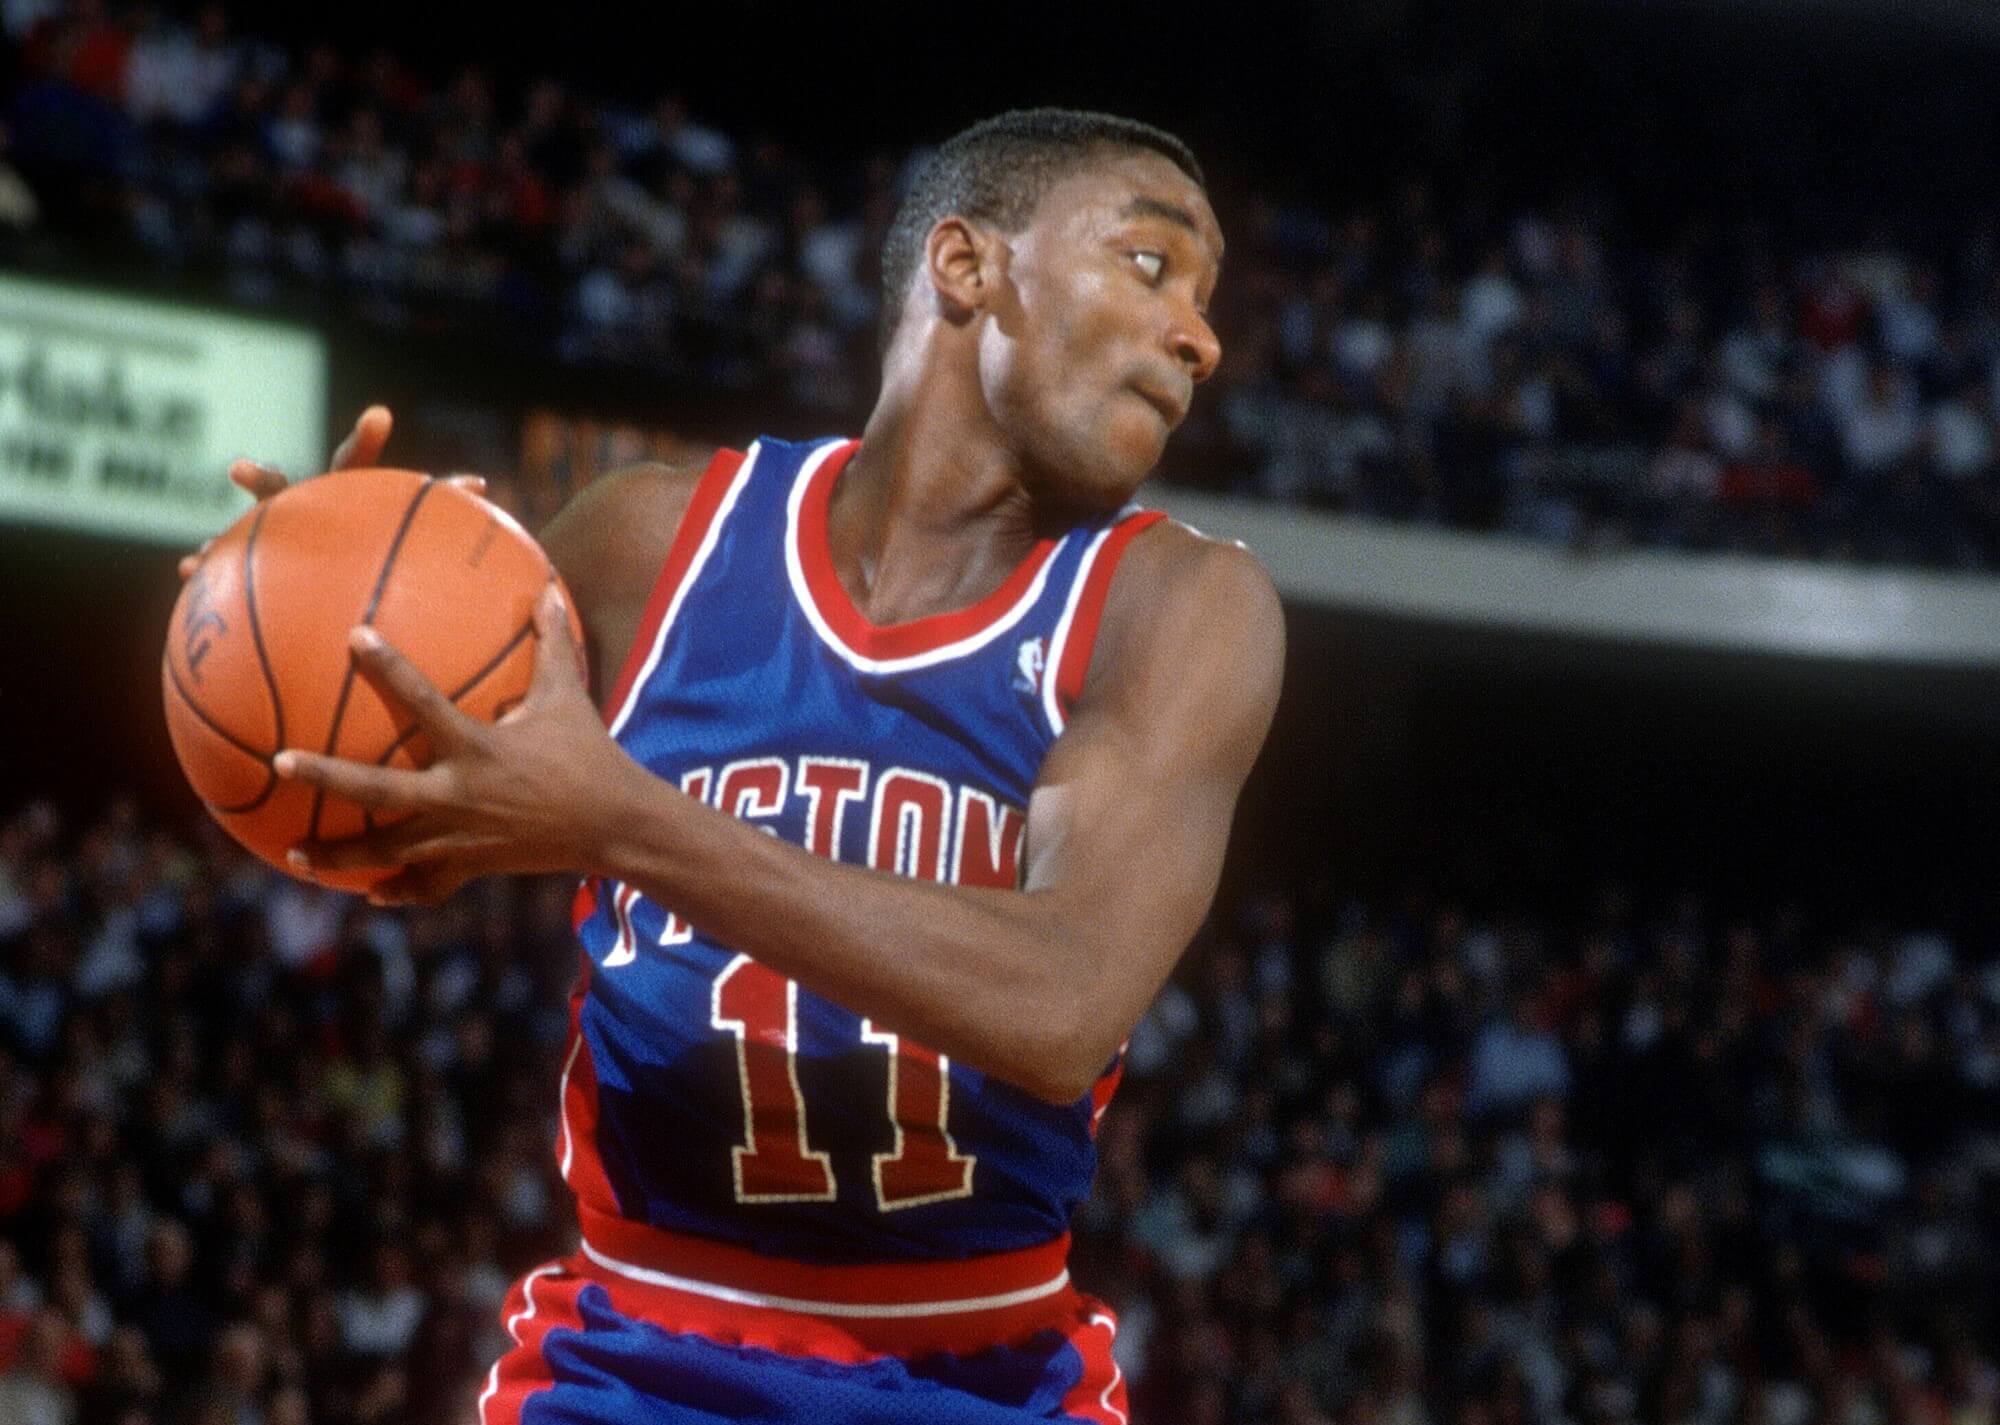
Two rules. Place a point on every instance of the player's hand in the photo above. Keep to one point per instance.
(516, 796)
(361, 449)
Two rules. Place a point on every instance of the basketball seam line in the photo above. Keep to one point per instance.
(270, 774)
(474, 681)
(367, 618)
(257, 632)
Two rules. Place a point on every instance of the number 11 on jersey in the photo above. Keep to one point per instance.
(776, 1162)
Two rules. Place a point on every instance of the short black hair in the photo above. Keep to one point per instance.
(998, 171)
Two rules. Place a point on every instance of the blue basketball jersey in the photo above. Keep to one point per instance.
(707, 1096)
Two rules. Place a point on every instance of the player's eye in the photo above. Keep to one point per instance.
(1150, 263)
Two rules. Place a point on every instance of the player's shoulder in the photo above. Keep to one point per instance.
(610, 541)
(1176, 592)
(624, 517)
(1176, 579)
(642, 504)
(647, 493)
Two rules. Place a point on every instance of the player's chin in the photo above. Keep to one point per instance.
(1096, 463)
(1135, 439)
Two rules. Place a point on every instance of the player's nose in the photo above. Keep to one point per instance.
(1195, 344)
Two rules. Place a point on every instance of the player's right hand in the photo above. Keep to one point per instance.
(361, 449)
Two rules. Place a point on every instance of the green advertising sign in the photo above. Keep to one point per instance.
(120, 416)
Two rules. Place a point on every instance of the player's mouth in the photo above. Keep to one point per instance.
(1171, 410)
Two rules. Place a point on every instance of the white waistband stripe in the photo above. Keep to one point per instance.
(827, 1308)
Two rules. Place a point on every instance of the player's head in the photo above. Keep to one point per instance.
(1066, 260)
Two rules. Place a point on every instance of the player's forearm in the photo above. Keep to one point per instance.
(997, 979)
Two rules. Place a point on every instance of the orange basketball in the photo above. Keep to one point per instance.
(257, 656)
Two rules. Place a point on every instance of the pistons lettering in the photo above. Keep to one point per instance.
(892, 818)
(895, 819)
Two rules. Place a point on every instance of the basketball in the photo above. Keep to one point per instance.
(257, 657)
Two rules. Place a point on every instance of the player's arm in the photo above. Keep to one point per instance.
(1126, 833)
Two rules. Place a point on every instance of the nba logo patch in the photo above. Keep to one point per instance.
(1028, 661)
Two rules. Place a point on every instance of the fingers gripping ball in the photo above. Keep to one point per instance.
(257, 656)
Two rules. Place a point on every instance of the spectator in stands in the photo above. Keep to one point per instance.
(696, 147)
(1881, 430)
(1685, 480)
(178, 75)
(19, 209)
(32, 1389)
(1772, 489)
(1756, 353)
(1516, 1060)
(1492, 303)
(1962, 432)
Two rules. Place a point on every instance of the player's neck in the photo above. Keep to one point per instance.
(932, 514)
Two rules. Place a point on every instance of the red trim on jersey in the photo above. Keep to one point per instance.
(896, 640)
(702, 1259)
(586, 1175)
(1082, 635)
(1103, 1089)
(695, 520)
(789, 1333)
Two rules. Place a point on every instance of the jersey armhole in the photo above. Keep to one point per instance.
(1076, 635)
(697, 520)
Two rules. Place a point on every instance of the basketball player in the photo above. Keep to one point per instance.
(908, 779)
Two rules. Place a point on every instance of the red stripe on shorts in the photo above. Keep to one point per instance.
(539, 1303)
(1100, 1395)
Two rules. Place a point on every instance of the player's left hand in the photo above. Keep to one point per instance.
(510, 797)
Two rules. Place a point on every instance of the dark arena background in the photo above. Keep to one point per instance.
(1600, 1018)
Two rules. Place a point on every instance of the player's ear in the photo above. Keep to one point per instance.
(961, 258)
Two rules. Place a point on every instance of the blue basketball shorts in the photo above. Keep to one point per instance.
(600, 1340)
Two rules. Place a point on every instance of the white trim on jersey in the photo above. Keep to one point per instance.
(562, 1103)
(1059, 640)
(802, 593)
(898, 1309)
(695, 565)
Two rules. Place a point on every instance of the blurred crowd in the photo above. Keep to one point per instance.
(1404, 1163)
(1464, 360)
(269, 1156)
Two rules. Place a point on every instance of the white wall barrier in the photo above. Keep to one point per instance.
(1712, 603)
